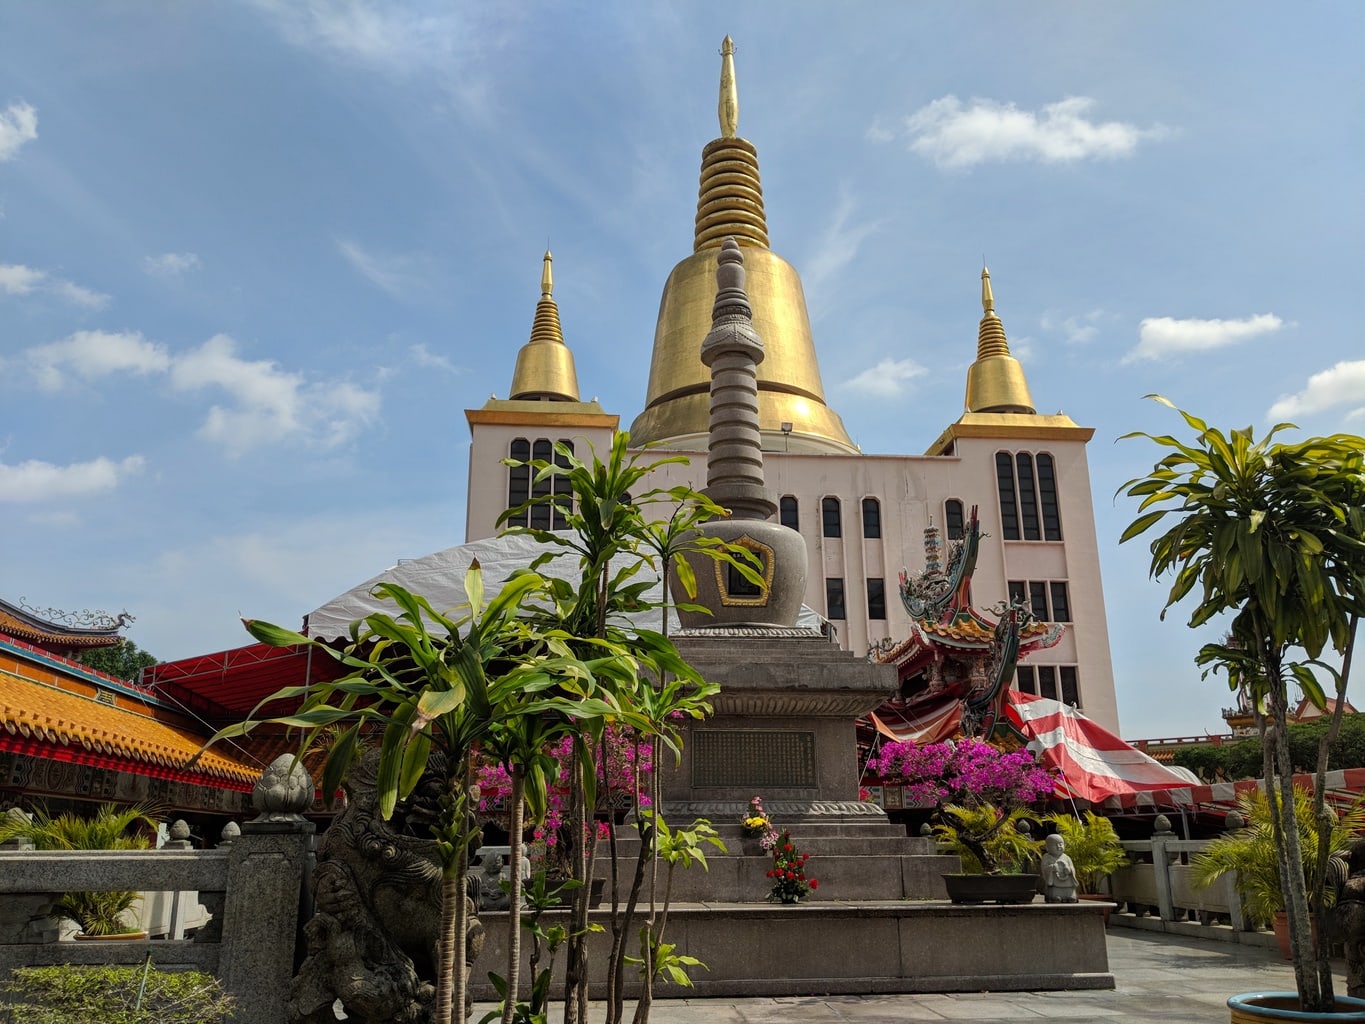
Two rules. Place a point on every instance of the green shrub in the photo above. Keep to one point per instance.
(109, 995)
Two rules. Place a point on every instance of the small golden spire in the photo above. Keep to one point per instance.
(728, 108)
(995, 382)
(545, 366)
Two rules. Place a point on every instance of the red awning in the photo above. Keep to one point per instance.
(226, 686)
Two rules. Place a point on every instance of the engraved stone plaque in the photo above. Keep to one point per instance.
(753, 760)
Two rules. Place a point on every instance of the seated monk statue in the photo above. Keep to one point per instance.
(1059, 874)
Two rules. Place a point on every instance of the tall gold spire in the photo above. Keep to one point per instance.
(995, 382)
(790, 392)
(545, 367)
(728, 107)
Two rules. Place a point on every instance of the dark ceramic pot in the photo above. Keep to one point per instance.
(991, 888)
(1282, 1007)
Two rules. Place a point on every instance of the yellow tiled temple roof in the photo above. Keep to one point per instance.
(42, 712)
(23, 629)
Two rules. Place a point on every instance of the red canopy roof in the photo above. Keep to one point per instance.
(227, 686)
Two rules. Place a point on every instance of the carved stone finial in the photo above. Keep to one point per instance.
(733, 350)
(180, 829)
(231, 833)
(1233, 821)
(1162, 825)
(284, 790)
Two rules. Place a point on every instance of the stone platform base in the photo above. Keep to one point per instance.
(881, 946)
(853, 861)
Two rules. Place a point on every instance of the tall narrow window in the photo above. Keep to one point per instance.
(952, 519)
(1026, 680)
(872, 517)
(1009, 504)
(1037, 599)
(1047, 681)
(834, 599)
(1047, 496)
(789, 512)
(1061, 602)
(542, 451)
(519, 478)
(876, 598)
(1071, 692)
(831, 522)
(1028, 497)
(1018, 591)
(563, 489)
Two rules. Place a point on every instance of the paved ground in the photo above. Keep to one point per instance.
(1159, 978)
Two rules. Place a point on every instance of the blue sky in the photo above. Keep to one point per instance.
(257, 258)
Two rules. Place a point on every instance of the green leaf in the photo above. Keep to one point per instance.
(275, 636)
(415, 758)
(339, 760)
(1140, 524)
(473, 586)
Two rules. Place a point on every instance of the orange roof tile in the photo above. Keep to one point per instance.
(37, 711)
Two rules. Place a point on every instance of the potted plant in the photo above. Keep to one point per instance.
(980, 792)
(790, 881)
(1250, 853)
(1273, 535)
(1094, 849)
(98, 914)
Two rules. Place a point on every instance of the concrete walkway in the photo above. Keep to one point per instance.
(1158, 978)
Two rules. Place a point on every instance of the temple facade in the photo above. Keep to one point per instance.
(863, 515)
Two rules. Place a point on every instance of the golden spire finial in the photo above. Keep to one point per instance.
(728, 108)
(995, 382)
(545, 367)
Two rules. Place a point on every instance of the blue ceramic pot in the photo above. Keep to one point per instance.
(1263, 1007)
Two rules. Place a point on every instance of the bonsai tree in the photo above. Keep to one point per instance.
(1093, 846)
(1272, 534)
(97, 913)
(980, 792)
(1250, 852)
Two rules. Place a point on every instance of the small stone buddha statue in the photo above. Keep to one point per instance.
(1059, 874)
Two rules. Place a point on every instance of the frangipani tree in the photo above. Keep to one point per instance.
(1272, 534)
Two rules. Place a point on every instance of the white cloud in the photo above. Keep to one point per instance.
(838, 243)
(954, 135)
(19, 280)
(79, 295)
(423, 356)
(94, 354)
(273, 405)
(887, 379)
(18, 125)
(171, 264)
(1162, 336)
(16, 279)
(1342, 384)
(33, 481)
(394, 274)
(1076, 330)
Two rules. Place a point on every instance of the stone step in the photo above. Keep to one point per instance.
(842, 877)
(816, 846)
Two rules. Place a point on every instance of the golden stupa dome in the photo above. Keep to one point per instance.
(545, 367)
(791, 398)
(995, 382)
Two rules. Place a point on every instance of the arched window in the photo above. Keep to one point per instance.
(788, 512)
(953, 519)
(519, 477)
(521, 485)
(1009, 504)
(1047, 497)
(831, 522)
(872, 518)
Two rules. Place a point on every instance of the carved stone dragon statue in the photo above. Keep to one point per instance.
(372, 942)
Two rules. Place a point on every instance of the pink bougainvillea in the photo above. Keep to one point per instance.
(966, 771)
(627, 762)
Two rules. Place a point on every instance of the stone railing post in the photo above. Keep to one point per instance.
(1161, 867)
(266, 867)
(24, 917)
(179, 840)
(1238, 918)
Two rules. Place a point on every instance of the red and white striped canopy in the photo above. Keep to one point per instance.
(1092, 763)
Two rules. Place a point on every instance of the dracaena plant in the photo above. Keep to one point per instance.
(424, 680)
(1272, 535)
